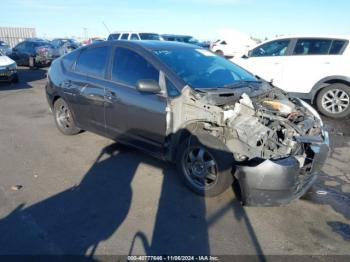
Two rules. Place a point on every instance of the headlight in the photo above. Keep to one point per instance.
(312, 110)
(12, 67)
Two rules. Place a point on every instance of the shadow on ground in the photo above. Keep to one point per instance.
(76, 220)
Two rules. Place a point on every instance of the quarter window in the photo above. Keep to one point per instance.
(92, 61)
(129, 67)
(275, 48)
(312, 47)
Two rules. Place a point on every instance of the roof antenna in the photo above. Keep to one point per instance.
(106, 27)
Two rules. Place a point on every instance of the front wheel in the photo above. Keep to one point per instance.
(334, 101)
(64, 119)
(205, 165)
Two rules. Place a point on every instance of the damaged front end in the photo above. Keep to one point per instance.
(278, 143)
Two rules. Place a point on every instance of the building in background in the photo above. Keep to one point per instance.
(14, 35)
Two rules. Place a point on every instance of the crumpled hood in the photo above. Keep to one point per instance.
(5, 61)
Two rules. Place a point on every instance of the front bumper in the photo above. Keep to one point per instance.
(7, 74)
(278, 182)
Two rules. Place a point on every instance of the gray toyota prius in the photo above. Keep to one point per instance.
(186, 105)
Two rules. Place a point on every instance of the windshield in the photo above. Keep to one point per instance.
(200, 68)
(191, 40)
(148, 36)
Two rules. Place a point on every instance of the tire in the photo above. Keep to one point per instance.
(64, 118)
(219, 52)
(201, 175)
(15, 79)
(334, 101)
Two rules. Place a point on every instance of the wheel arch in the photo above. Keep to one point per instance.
(326, 82)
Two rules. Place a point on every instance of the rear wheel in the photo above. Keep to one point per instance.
(205, 165)
(64, 119)
(334, 101)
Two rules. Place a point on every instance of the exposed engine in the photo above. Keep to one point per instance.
(272, 125)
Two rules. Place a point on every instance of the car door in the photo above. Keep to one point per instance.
(136, 118)
(312, 59)
(86, 87)
(267, 60)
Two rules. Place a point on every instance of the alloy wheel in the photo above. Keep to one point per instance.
(200, 167)
(335, 101)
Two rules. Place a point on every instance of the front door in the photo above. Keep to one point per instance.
(135, 117)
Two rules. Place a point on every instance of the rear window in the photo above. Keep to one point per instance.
(69, 59)
(93, 61)
(149, 36)
(337, 47)
(312, 47)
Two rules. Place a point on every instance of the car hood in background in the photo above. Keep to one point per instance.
(5, 60)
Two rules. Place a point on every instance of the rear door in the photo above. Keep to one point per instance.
(311, 60)
(135, 117)
(88, 87)
(267, 60)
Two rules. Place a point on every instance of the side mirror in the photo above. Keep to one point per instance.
(148, 86)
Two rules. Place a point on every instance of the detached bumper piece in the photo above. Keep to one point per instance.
(278, 182)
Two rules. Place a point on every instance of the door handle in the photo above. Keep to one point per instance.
(110, 95)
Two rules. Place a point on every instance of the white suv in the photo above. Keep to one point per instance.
(312, 68)
(134, 36)
(231, 48)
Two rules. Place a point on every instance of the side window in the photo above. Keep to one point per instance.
(134, 37)
(312, 47)
(93, 61)
(274, 48)
(113, 37)
(129, 67)
(337, 47)
(124, 36)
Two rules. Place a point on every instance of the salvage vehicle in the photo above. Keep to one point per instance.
(33, 53)
(187, 105)
(8, 69)
(62, 46)
(309, 67)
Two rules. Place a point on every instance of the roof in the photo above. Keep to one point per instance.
(347, 37)
(173, 35)
(147, 44)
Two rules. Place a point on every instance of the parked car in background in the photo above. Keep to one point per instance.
(310, 67)
(8, 69)
(134, 36)
(190, 106)
(5, 48)
(185, 39)
(62, 46)
(33, 53)
(93, 40)
(231, 47)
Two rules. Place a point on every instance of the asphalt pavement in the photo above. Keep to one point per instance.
(88, 195)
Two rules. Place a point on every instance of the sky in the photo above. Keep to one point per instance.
(200, 18)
